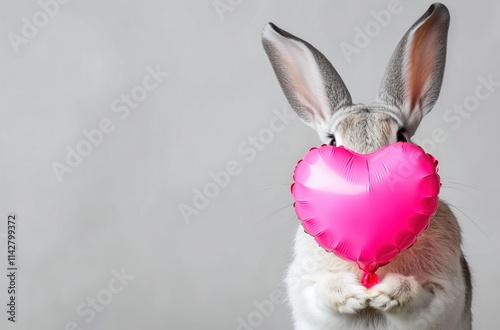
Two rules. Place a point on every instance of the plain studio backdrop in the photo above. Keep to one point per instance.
(119, 120)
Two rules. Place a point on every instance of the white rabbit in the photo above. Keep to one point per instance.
(425, 287)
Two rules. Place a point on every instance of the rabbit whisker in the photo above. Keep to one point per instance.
(460, 184)
(475, 224)
(445, 186)
(273, 213)
(278, 185)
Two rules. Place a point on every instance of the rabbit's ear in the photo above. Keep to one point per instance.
(413, 78)
(312, 86)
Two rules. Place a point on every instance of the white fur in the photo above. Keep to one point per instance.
(325, 293)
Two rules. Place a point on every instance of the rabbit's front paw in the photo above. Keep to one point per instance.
(395, 292)
(343, 293)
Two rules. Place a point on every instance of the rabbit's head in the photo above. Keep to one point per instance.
(409, 88)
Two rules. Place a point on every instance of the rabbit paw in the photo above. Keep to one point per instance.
(395, 292)
(343, 293)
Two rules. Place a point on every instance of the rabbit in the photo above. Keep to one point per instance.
(425, 287)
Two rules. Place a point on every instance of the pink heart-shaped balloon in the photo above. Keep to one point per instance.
(366, 208)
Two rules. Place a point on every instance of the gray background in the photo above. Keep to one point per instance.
(119, 209)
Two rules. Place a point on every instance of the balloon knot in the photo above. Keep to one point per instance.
(370, 279)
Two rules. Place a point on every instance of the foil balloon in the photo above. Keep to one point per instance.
(366, 208)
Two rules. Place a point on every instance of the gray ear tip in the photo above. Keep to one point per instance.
(267, 31)
(441, 11)
(273, 26)
(271, 29)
